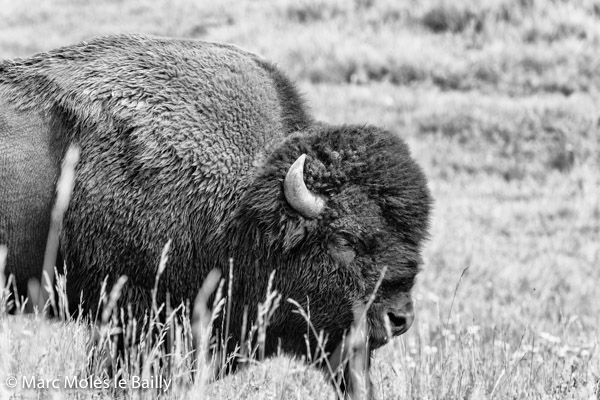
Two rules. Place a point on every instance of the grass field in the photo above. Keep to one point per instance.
(499, 101)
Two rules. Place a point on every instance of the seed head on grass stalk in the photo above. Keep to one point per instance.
(104, 348)
(111, 303)
(203, 320)
(224, 362)
(4, 292)
(162, 265)
(265, 312)
(63, 301)
(51, 301)
(151, 346)
(19, 303)
(462, 274)
(321, 343)
(64, 189)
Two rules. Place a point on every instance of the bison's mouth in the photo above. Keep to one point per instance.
(380, 336)
(383, 324)
(368, 334)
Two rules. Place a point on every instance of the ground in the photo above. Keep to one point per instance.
(498, 102)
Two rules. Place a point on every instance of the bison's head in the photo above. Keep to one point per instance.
(330, 211)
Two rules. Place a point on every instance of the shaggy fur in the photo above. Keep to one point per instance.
(191, 141)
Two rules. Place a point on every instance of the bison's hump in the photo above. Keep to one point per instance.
(214, 107)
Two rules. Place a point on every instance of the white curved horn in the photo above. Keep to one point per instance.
(297, 194)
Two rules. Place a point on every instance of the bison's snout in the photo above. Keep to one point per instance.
(401, 318)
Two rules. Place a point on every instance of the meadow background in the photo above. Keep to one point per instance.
(499, 102)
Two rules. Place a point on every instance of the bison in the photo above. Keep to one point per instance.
(211, 147)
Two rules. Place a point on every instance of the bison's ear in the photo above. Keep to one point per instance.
(309, 204)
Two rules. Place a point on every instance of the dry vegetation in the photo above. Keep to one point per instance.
(499, 102)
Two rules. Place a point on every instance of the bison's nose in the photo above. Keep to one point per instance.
(401, 320)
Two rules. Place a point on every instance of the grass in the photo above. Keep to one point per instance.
(497, 100)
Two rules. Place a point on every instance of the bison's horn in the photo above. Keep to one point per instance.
(297, 194)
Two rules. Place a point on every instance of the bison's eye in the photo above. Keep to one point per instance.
(342, 250)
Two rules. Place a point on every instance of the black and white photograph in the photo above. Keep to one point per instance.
(300, 199)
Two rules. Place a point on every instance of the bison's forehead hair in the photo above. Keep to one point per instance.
(351, 162)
